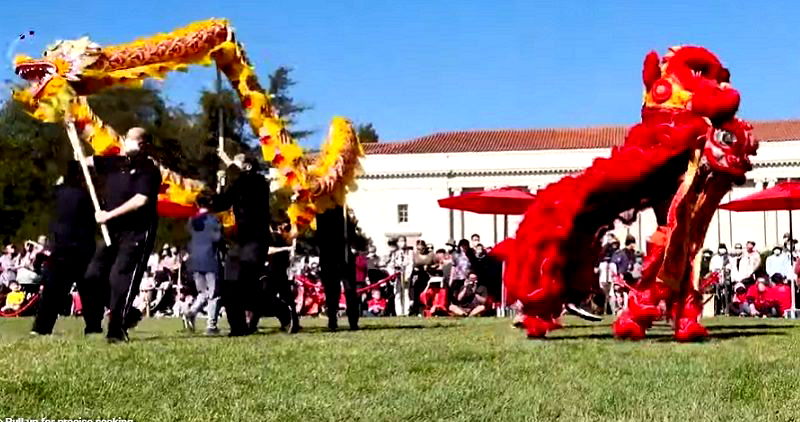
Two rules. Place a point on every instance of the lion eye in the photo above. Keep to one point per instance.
(725, 137)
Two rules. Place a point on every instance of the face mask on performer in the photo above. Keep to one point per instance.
(133, 141)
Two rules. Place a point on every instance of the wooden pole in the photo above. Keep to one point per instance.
(72, 134)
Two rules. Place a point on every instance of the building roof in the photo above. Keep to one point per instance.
(548, 139)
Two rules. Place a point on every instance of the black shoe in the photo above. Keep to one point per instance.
(354, 327)
(132, 319)
(238, 334)
(580, 313)
(119, 338)
(333, 325)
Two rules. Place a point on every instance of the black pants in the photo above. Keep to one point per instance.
(279, 298)
(113, 279)
(419, 281)
(242, 289)
(65, 266)
(334, 275)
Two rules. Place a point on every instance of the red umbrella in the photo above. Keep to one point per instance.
(507, 201)
(783, 196)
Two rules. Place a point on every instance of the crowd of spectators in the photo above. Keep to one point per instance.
(20, 273)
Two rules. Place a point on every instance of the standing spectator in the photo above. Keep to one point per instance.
(374, 271)
(747, 263)
(206, 232)
(443, 264)
(399, 261)
(624, 258)
(723, 265)
(779, 263)
(423, 261)
(152, 263)
(475, 240)
(461, 268)
(9, 263)
(607, 275)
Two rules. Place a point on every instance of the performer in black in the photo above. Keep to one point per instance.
(337, 265)
(129, 201)
(278, 288)
(72, 233)
(242, 289)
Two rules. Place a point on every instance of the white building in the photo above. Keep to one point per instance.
(402, 181)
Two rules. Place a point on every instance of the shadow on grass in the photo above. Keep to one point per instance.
(716, 332)
(182, 335)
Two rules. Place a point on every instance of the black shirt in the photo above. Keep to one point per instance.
(73, 224)
(249, 197)
(124, 178)
(278, 262)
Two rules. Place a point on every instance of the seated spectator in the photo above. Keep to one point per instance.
(14, 299)
(758, 300)
(469, 298)
(739, 305)
(780, 294)
(377, 305)
(434, 298)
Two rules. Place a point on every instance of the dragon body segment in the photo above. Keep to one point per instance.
(71, 70)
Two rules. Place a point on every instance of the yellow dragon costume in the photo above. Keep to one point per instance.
(69, 71)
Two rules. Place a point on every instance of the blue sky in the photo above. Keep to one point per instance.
(415, 67)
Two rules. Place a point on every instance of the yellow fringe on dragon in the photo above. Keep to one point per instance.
(72, 70)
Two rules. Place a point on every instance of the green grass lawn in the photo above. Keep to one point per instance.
(403, 369)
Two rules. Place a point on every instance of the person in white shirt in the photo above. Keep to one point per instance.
(606, 274)
(780, 263)
(722, 263)
(747, 263)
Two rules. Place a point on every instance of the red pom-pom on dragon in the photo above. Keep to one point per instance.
(685, 155)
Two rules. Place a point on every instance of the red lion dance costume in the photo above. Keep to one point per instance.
(685, 155)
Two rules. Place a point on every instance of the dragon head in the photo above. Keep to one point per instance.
(49, 78)
(729, 147)
(692, 79)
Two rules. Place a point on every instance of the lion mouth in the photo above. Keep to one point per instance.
(37, 73)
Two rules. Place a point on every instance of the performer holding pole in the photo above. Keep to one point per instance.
(72, 232)
(242, 291)
(132, 183)
(337, 265)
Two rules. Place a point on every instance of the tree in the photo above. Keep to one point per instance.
(367, 133)
(279, 83)
(34, 155)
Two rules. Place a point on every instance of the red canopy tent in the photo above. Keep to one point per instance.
(783, 196)
(505, 201)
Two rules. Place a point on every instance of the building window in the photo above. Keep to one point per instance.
(402, 213)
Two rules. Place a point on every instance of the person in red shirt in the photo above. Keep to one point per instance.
(739, 305)
(780, 294)
(759, 300)
(377, 305)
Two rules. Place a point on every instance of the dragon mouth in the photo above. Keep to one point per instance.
(37, 73)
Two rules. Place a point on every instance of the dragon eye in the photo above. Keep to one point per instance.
(724, 137)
